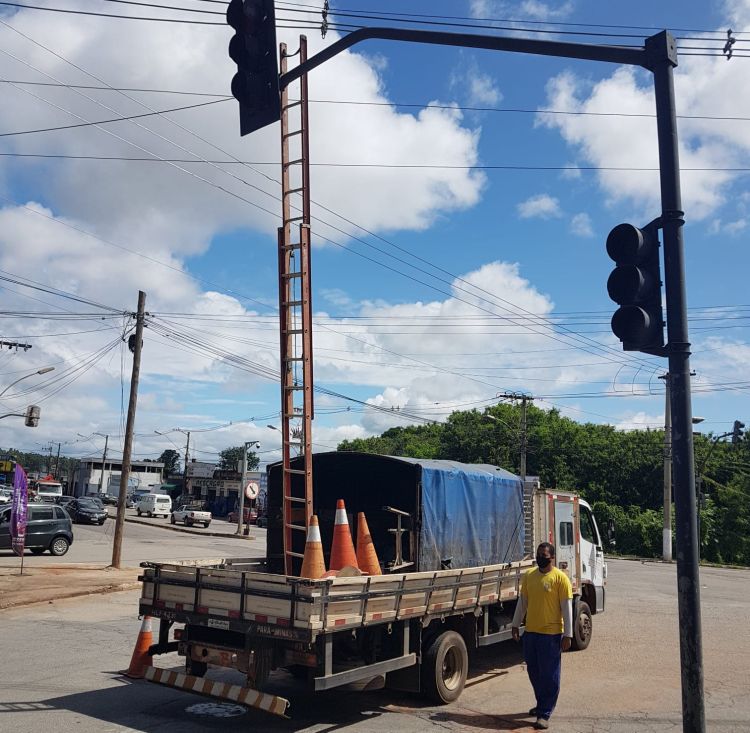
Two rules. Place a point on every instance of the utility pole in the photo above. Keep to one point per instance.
(49, 459)
(129, 427)
(241, 512)
(57, 461)
(104, 462)
(184, 473)
(667, 530)
(524, 398)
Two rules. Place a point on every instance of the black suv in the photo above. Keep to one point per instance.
(87, 510)
(48, 528)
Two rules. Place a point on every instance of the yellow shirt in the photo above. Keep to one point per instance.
(544, 592)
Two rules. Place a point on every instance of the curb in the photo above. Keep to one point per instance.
(74, 594)
(187, 530)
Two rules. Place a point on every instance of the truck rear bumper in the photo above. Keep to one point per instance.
(220, 690)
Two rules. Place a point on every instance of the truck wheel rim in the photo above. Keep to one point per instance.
(584, 626)
(451, 669)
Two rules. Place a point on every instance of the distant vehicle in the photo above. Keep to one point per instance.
(249, 515)
(64, 500)
(47, 490)
(48, 528)
(6, 496)
(190, 516)
(262, 520)
(87, 510)
(154, 505)
(129, 501)
(105, 498)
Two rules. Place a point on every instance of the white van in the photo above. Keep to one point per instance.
(48, 490)
(154, 505)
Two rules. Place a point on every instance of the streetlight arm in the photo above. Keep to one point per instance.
(26, 376)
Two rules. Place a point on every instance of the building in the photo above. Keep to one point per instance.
(219, 489)
(88, 476)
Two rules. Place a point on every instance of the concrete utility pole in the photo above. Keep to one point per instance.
(129, 427)
(57, 461)
(184, 473)
(524, 398)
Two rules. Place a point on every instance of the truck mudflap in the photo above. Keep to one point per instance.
(220, 690)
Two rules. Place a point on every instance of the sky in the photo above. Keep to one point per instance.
(461, 203)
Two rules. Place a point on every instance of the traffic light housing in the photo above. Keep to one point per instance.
(253, 49)
(635, 285)
(737, 431)
(31, 418)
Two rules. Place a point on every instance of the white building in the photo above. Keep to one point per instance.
(90, 475)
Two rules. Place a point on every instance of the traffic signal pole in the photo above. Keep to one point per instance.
(661, 49)
(658, 55)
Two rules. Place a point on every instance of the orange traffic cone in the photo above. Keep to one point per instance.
(342, 550)
(141, 658)
(313, 564)
(367, 558)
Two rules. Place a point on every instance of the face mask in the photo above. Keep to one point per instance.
(543, 562)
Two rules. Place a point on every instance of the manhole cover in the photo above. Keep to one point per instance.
(216, 709)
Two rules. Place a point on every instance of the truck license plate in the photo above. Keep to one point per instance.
(215, 623)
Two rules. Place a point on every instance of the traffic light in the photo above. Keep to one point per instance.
(635, 285)
(31, 418)
(737, 431)
(253, 49)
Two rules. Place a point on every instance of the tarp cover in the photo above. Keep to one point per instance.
(472, 514)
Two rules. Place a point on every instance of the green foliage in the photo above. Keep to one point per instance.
(620, 472)
(171, 460)
(232, 457)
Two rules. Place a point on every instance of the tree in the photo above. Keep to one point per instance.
(231, 458)
(171, 460)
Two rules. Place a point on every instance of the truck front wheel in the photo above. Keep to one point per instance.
(445, 665)
(582, 627)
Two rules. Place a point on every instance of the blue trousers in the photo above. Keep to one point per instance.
(543, 660)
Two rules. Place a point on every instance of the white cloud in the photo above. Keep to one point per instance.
(528, 9)
(640, 421)
(580, 225)
(542, 206)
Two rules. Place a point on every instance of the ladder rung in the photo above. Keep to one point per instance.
(289, 105)
(294, 358)
(295, 498)
(293, 331)
(295, 161)
(294, 554)
(289, 275)
(293, 303)
(291, 134)
(290, 191)
(297, 471)
(296, 526)
(293, 218)
(293, 386)
(290, 247)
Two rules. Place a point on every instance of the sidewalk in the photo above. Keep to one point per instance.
(179, 527)
(53, 582)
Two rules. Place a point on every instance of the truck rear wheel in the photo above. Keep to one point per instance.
(196, 669)
(582, 627)
(445, 665)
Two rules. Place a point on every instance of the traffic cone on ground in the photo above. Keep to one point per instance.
(342, 550)
(313, 564)
(141, 658)
(367, 558)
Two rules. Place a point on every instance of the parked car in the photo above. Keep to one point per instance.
(105, 498)
(87, 510)
(63, 501)
(249, 515)
(6, 496)
(262, 520)
(153, 505)
(129, 501)
(48, 528)
(190, 516)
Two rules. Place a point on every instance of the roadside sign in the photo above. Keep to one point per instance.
(19, 511)
(252, 490)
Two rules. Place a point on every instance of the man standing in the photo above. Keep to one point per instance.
(546, 599)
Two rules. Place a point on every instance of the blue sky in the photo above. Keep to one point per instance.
(476, 246)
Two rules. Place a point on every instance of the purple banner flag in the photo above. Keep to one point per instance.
(19, 510)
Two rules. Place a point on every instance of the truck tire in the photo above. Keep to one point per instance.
(138, 512)
(196, 669)
(445, 665)
(582, 627)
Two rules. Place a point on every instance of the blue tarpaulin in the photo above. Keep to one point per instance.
(471, 514)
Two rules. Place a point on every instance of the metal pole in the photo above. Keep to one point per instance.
(523, 441)
(663, 57)
(57, 461)
(129, 427)
(104, 463)
(241, 512)
(667, 530)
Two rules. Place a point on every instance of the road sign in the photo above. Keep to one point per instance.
(252, 490)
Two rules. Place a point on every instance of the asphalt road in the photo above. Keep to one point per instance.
(62, 661)
(142, 542)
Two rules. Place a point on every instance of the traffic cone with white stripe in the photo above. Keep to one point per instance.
(141, 658)
(313, 564)
(367, 558)
(342, 550)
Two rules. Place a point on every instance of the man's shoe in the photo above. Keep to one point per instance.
(533, 713)
(541, 724)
